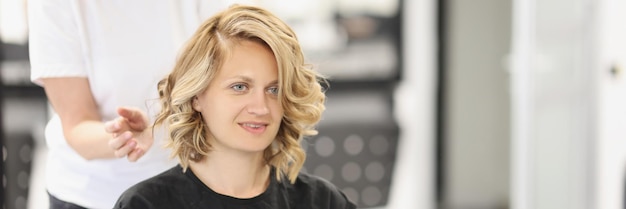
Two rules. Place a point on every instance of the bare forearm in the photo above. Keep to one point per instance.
(73, 101)
(90, 140)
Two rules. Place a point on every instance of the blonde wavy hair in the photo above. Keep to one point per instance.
(300, 94)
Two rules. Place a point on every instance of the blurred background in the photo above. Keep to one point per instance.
(433, 104)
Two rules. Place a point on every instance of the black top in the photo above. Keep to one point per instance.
(175, 189)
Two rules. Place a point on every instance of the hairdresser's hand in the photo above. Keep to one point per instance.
(131, 136)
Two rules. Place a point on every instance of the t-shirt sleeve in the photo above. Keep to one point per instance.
(128, 203)
(324, 193)
(338, 199)
(139, 196)
(55, 40)
(133, 198)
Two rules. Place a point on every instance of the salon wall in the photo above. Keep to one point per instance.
(476, 107)
(568, 99)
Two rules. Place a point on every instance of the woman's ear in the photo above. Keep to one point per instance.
(196, 104)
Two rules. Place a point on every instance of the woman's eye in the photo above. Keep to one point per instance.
(239, 87)
(273, 90)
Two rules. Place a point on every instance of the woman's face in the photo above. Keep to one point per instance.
(240, 106)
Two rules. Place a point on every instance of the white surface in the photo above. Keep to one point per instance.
(522, 42)
(37, 197)
(554, 107)
(611, 154)
(13, 24)
(413, 180)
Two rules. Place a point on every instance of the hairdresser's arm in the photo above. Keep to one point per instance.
(83, 128)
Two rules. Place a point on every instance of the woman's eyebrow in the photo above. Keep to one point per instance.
(273, 83)
(249, 80)
(241, 77)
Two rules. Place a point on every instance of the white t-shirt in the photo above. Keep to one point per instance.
(124, 48)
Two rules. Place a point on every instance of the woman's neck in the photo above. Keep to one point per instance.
(240, 175)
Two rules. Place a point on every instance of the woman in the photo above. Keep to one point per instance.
(236, 106)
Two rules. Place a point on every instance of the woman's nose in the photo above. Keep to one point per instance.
(258, 103)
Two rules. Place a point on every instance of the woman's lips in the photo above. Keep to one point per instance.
(255, 128)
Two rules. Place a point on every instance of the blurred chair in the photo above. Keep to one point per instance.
(356, 145)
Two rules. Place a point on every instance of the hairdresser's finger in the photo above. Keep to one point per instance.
(118, 141)
(126, 149)
(112, 126)
(135, 154)
(135, 118)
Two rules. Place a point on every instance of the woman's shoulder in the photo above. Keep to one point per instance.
(314, 182)
(313, 190)
(159, 191)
